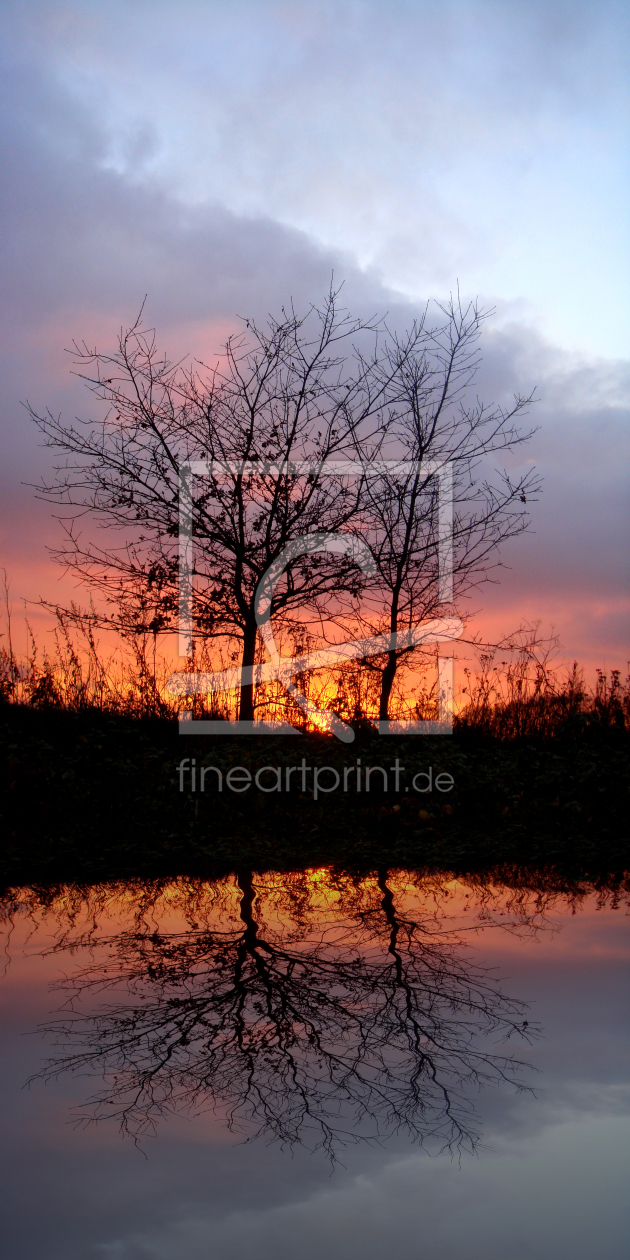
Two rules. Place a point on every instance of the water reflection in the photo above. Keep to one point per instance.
(306, 1008)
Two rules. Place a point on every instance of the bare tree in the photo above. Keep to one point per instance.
(278, 406)
(439, 444)
(267, 425)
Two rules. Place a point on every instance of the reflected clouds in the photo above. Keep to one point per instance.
(202, 1192)
(308, 1008)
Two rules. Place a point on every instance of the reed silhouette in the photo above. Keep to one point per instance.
(515, 691)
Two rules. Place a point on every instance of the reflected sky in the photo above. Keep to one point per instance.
(546, 1180)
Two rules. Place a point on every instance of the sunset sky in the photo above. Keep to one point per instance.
(223, 158)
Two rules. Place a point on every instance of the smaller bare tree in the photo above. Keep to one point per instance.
(436, 453)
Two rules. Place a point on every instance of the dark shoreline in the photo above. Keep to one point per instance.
(88, 797)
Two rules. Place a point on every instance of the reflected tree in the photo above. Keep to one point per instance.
(314, 1024)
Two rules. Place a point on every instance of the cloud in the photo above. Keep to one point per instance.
(432, 1209)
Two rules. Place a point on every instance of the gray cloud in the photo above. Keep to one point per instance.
(429, 140)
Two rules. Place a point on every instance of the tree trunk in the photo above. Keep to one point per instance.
(387, 682)
(389, 673)
(246, 706)
(245, 883)
(389, 910)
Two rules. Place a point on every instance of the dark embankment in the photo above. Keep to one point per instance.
(89, 797)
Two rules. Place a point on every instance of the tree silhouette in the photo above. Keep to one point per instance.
(285, 409)
(436, 425)
(280, 403)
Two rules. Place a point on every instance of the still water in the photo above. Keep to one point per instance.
(276, 1064)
